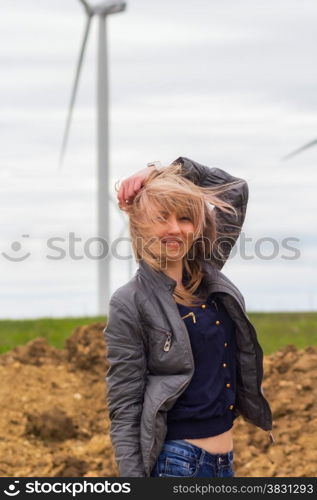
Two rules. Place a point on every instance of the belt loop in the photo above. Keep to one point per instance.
(202, 456)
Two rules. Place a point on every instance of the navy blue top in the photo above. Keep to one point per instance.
(205, 406)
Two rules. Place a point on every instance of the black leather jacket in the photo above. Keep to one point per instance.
(149, 352)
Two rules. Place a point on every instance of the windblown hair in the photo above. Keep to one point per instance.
(167, 190)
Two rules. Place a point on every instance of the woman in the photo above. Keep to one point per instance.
(184, 360)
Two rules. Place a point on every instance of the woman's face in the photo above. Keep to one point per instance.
(175, 232)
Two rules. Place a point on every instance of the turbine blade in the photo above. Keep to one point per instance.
(86, 6)
(74, 90)
(297, 151)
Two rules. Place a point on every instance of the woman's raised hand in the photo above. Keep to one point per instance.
(130, 186)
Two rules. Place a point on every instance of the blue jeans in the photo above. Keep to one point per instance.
(178, 458)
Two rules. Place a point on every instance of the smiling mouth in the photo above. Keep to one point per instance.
(171, 241)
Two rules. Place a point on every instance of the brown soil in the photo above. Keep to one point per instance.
(54, 418)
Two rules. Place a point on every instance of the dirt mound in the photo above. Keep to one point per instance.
(54, 419)
(290, 385)
(53, 424)
(85, 349)
(36, 352)
(65, 466)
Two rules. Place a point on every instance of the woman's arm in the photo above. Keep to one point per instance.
(226, 222)
(125, 379)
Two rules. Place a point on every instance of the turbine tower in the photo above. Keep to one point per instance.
(101, 10)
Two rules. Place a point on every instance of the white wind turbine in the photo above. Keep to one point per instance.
(101, 10)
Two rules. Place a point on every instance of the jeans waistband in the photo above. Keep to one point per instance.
(190, 450)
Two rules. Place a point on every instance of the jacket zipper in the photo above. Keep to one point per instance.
(270, 433)
(154, 418)
(166, 348)
(271, 437)
(187, 340)
(167, 344)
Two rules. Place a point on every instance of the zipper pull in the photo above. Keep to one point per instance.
(271, 437)
(190, 314)
(167, 344)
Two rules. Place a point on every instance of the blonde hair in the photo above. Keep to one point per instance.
(166, 189)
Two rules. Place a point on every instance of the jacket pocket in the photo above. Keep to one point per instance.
(160, 343)
(161, 338)
(158, 334)
(179, 466)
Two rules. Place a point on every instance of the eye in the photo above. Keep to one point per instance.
(187, 218)
(162, 216)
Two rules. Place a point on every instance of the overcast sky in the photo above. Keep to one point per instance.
(230, 83)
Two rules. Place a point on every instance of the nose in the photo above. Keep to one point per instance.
(173, 226)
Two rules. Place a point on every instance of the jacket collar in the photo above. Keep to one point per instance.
(162, 280)
(214, 281)
(157, 278)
